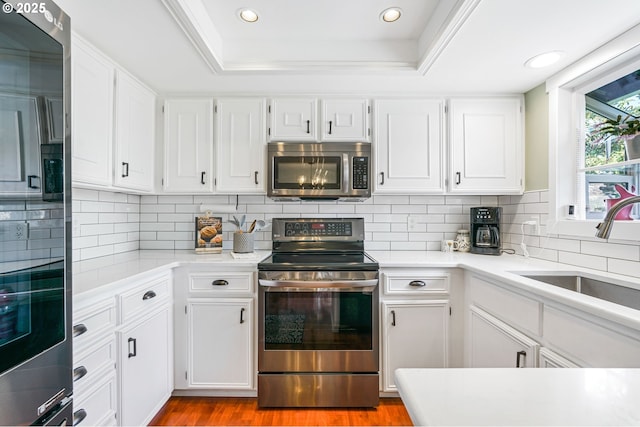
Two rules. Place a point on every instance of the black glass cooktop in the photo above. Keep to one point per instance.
(318, 261)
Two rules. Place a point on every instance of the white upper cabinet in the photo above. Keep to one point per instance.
(92, 85)
(188, 145)
(293, 119)
(486, 146)
(113, 126)
(240, 145)
(408, 146)
(345, 120)
(134, 134)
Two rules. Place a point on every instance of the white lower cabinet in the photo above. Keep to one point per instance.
(94, 362)
(551, 359)
(494, 344)
(145, 382)
(414, 335)
(215, 331)
(145, 348)
(415, 321)
(220, 344)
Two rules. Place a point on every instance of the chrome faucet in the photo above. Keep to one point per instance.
(604, 228)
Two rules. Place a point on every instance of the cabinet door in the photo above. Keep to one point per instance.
(414, 335)
(486, 146)
(20, 145)
(220, 343)
(188, 145)
(145, 368)
(345, 120)
(240, 146)
(134, 135)
(409, 146)
(551, 359)
(293, 119)
(92, 86)
(494, 344)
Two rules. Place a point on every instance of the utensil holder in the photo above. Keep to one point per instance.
(242, 242)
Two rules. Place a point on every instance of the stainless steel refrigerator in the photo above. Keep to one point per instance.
(36, 382)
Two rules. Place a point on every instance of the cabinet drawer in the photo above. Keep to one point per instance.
(517, 310)
(88, 365)
(223, 283)
(416, 282)
(98, 403)
(93, 323)
(144, 298)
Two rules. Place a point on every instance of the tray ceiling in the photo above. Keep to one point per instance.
(437, 45)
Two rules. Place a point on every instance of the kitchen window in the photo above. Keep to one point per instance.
(610, 166)
(582, 173)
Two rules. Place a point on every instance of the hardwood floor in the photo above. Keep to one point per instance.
(228, 411)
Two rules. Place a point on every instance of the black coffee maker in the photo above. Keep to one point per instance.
(485, 231)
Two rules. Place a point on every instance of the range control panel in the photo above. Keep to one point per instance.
(328, 228)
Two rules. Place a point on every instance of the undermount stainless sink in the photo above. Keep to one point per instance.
(629, 297)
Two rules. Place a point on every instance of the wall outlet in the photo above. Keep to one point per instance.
(21, 231)
(534, 228)
(412, 223)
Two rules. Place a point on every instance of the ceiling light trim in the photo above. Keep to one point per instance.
(545, 59)
(450, 27)
(248, 15)
(391, 15)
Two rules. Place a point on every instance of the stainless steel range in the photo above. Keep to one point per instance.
(318, 316)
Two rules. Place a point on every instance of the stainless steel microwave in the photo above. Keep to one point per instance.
(320, 171)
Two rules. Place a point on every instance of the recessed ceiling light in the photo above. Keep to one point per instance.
(391, 15)
(544, 59)
(248, 15)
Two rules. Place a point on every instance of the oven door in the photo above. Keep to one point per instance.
(318, 327)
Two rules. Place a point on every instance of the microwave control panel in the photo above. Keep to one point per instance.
(360, 173)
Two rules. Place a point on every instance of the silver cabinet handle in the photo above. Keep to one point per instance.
(79, 372)
(133, 353)
(148, 295)
(79, 416)
(220, 282)
(79, 329)
(417, 283)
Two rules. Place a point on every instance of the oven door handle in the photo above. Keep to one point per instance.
(307, 284)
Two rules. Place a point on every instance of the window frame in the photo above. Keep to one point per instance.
(566, 92)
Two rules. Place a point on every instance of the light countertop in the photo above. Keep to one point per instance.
(91, 276)
(521, 397)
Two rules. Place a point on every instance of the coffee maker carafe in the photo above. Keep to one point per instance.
(485, 231)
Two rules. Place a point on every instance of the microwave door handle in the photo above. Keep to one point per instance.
(345, 173)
